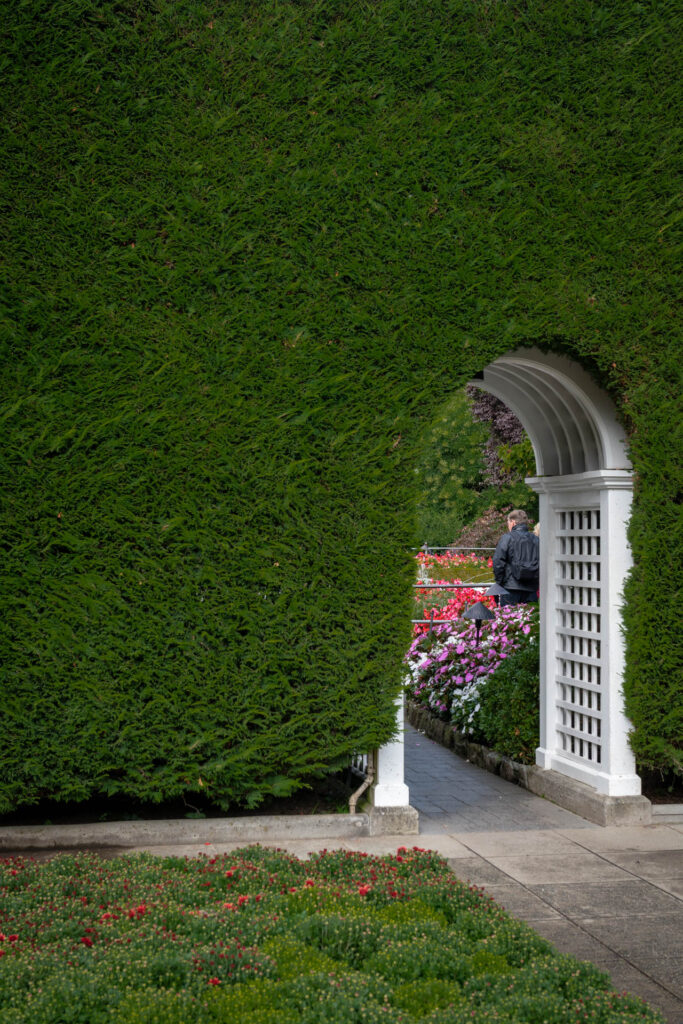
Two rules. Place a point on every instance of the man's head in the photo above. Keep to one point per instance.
(516, 517)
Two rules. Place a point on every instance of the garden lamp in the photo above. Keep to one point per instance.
(480, 613)
(495, 590)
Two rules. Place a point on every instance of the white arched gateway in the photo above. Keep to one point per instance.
(584, 483)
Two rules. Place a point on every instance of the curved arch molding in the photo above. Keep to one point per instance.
(571, 422)
(584, 485)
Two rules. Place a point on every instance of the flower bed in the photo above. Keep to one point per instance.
(450, 567)
(448, 670)
(258, 936)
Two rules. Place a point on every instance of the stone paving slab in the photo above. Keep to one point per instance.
(525, 842)
(576, 867)
(625, 838)
(522, 903)
(671, 885)
(477, 871)
(658, 936)
(667, 972)
(651, 864)
(566, 937)
(627, 899)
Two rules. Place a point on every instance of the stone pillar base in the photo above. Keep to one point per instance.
(587, 802)
(392, 821)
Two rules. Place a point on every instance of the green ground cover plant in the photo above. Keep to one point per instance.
(259, 936)
(249, 253)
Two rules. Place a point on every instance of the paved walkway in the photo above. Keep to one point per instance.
(613, 895)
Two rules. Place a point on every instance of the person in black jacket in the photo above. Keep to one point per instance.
(515, 561)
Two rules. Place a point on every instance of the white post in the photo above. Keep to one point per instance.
(546, 604)
(389, 789)
(615, 503)
(583, 729)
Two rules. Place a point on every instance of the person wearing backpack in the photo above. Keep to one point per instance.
(515, 561)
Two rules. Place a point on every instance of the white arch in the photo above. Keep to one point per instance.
(571, 422)
(584, 485)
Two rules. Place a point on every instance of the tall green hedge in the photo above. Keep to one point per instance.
(248, 251)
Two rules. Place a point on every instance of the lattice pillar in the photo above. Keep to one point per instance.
(584, 560)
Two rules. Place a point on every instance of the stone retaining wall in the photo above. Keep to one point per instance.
(444, 733)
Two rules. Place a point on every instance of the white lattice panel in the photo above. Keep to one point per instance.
(579, 635)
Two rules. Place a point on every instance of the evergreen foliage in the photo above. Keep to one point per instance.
(249, 252)
(476, 455)
(508, 720)
(451, 473)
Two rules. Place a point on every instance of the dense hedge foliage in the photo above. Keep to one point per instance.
(249, 250)
(257, 936)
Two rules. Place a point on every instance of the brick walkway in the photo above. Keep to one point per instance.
(453, 795)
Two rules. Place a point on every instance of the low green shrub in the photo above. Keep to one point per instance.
(418, 998)
(259, 937)
(508, 718)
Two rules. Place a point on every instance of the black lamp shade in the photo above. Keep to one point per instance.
(478, 612)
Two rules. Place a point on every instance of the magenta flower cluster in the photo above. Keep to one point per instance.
(446, 672)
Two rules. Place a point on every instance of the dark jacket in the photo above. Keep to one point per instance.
(502, 569)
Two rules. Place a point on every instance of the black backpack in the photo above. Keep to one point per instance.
(524, 556)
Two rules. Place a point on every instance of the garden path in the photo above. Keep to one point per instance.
(611, 895)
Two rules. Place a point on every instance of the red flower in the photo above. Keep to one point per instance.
(214, 981)
(363, 890)
(86, 940)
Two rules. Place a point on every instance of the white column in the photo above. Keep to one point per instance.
(389, 789)
(610, 492)
(615, 506)
(546, 604)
